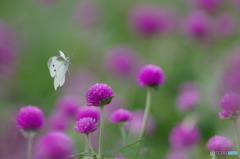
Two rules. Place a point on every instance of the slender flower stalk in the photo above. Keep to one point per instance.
(123, 133)
(101, 133)
(89, 144)
(146, 114)
(236, 135)
(30, 139)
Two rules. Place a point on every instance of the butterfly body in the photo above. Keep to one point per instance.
(58, 66)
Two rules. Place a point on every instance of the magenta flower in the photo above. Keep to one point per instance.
(208, 5)
(198, 25)
(183, 136)
(86, 125)
(86, 111)
(121, 60)
(225, 25)
(30, 118)
(219, 143)
(121, 115)
(54, 145)
(68, 105)
(151, 75)
(148, 20)
(99, 94)
(188, 97)
(230, 104)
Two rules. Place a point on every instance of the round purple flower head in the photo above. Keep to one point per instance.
(86, 125)
(230, 105)
(99, 94)
(86, 111)
(183, 136)
(219, 143)
(151, 75)
(54, 145)
(121, 115)
(198, 25)
(30, 118)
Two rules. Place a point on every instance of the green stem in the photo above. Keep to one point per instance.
(101, 134)
(89, 144)
(236, 136)
(146, 114)
(123, 133)
(30, 139)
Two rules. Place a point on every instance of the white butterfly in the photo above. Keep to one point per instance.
(58, 66)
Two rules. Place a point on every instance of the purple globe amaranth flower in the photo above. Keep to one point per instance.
(188, 97)
(151, 75)
(135, 124)
(68, 105)
(183, 136)
(121, 60)
(54, 145)
(30, 118)
(208, 5)
(87, 111)
(224, 25)
(148, 19)
(197, 25)
(230, 104)
(219, 143)
(87, 13)
(99, 94)
(121, 115)
(86, 125)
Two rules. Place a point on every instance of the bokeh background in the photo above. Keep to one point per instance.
(195, 42)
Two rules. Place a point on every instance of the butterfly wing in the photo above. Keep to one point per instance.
(54, 63)
(59, 79)
(62, 54)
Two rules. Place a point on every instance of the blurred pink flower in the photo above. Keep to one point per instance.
(121, 60)
(183, 136)
(148, 19)
(197, 25)
(58, 121)
(8, 50)
(68, 105)
(87, 111)
(219, 143)
(87, 13)
(225, 25)
(188, 96)
(208, 5)
(230, 78)
(135, 124)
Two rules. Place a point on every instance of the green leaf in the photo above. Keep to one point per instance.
(106, 101)
(120, 148)
(83, 154)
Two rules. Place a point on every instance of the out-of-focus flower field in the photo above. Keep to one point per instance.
(196, 43)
